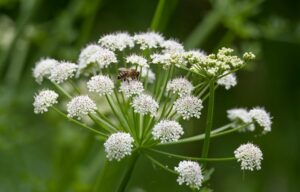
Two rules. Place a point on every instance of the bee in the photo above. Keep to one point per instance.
(126, 74)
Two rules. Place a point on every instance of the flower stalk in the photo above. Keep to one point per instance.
(209, 120)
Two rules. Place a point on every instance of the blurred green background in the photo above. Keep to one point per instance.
(46, 153)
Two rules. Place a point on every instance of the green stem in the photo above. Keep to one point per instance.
(163, 88)
(141, 124)
(121, 119)
(79, 123)
(106, 120)
(61, 90)
(160, 165)
(215, 133)
(128, 173)
(209, 120)
(101, 123)
(191, 158)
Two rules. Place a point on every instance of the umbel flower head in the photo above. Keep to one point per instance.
(43, 69)
(172, 46)
(227, 81)
(145, 104)
(94, 54)
(81, 106)
(148, 40)
(190, 174)
(240, 116)
(250, 157)
(137, 60)
(181, 86)
(43, 100)
(131, 88)
(118, 145)
(150, 85)
(101, 84)
(214, 65)
(62, 72)
(167, 131)
(116, 41)
(188, 107)
(262, 118)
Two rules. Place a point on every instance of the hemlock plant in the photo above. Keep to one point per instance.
(167, 86)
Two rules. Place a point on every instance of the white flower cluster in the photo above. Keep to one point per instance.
(172, 46)
(189, 173)
(181, 86)
(81, 106)
(62, 72)
(43, 100)
(94, 54)
(131, 88)
(240, 116)
(117, 41)
(217, 64)
(148, 40)
(101, 84)
(227, 81)
(137, 60)
(248, 56)
(118, 145)
(167, 131)
(43, 69)
(145, 104)
(167, 59)
(250, 157)
(262, 118)
(193, 57)
(257, 114)
(188, 107)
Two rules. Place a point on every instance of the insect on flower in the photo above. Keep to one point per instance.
(126, 74)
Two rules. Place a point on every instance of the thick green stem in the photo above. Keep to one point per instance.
(128, 173)
(115, 175)
(209, 120)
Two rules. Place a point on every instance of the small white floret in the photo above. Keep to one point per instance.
(227, 81)
(43, 100)
(240, 116)
(250, 157)
(145, 104)
(262, 118)
(118, 145)
(188, 107)
(81, 106)
(148, 40)
(62, 72)
(101, 84)
(94, 54)
(131, 88)
(117, 41)
(43, 68)
(137, 60)
(172, 46)
(190, 173)
(180, 86)
(167, 131)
